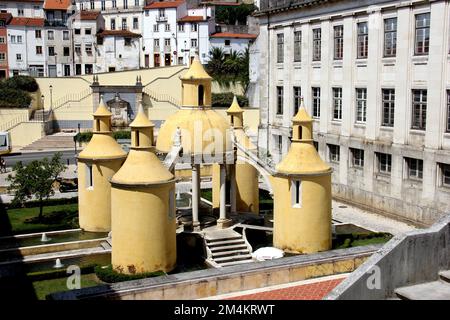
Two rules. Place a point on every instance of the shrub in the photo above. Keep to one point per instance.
(122, 135)
(108, 275)
(49, 202)
(10, 97)
(25, 83)
(224, 100)
(87, 136)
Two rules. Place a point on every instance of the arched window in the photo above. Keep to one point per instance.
(201, 92)
(97, 124)
(300, 132)
(136, 138)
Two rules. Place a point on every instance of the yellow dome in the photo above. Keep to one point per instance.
(141, 120)
(196, 71)
(203, 125)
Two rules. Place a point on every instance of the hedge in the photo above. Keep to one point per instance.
(24, 83)
(224, 100)
(48, 202)
(10, 97)
(87, 136)
(108, 275)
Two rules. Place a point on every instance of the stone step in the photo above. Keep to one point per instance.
(233, 258)
(225, 242)
(105, 245)
(227, 248)
(229, 253)
(445, 275)
(224, 238)
(229, 264)
(436, 290)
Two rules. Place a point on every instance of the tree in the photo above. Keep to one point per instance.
(36, 179)
(232, 63)
(216, 60)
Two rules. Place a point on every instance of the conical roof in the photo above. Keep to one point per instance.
(235, 107)
(102, 110)
(302, 115)
(141, 120)
(196, 71)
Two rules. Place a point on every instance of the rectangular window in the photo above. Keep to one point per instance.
(297, 46)
(194, 27)
(37, 34)
(297, 99)
(19, 57)
(334, 153)
(384, 163)
(135, 23)
(167, 27)
(77, 48)
(362, 40)
(127, 42)
(89, 176)
(88, 49)
(87, 31)
(361, 104)
(390, 37)
(338, 42)
(124, 24)
(13, 39)
(2, 56)
(113, 24)
(92, 2)
(296, 193)
(387, 117)
(422, 37)
(156, 44)
(194, 43)
(448, 110)
(419, 109)
(280, 143)
(66, 51)
(357, 156)
(19, 39)
(155, 27)
(65, 35)
(445, 175)
(38, 49)
(280, 100)
(181, 27)
(51, 51)
(2, 40)
(103, 5)
(317, 44)
(114, 3)
(227, 42)
(77, 31)
(50, 35)
(125, 4)
(316, 102)
(337, 103)
(280, 48)
(414, 169)
(136, 3)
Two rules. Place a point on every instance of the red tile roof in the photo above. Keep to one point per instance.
(220, 3)
(118, 33)
(164, 4)
(23, 1)
(89, 15)
(57, 4)
(191, 19)
(29, 22)
(234, 35)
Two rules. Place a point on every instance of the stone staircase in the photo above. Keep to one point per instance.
(227, 248)
(434, 290)
(54, 141)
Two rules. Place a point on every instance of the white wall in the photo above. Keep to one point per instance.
(114, 53)
(31, 10)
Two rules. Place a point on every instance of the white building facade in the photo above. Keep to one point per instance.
(237, 42)
(23, 8)
(376, 80)
(26, 49)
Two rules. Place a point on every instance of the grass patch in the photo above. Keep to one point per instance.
(108, 275)
(57, 217)
(343, 241)
(44, 287)
(206, 194)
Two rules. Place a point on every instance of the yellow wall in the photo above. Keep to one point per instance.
(247, 188)
(9, 116)
(25, 133)
(237, 89)
(306, 229)
(94, 204)
(143, 235)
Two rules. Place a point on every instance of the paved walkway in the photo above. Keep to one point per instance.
(312, 289)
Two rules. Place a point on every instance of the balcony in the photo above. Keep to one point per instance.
(161, 18)
(55, 23)
(123, 10)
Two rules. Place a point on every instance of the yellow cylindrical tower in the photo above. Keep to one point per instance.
(97, 163)
(302, 194)
(247, 186)
(143, 207)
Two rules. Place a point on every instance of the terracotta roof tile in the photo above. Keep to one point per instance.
(29, 22)
(5, 17)
(89, 15)
(118, 33)
(164, 4)
(191, 19)
(234, 35)
(57, 4)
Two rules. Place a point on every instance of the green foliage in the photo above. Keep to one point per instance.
(343, 241)
(87, 136)
(35, 179)
(10, 97)
(48, 202)
(223, 100)
(25, 83)
(233, 14)
(57, 273)
(107, 274)
(229, 69)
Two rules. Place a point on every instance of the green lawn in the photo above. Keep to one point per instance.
(24, 220)
(45, 287)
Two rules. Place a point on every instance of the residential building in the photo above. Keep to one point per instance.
(380, 101)
(117, 50)
(23, 8)
(5, 18)
(84, 26)
(237, 42)
(26, 55)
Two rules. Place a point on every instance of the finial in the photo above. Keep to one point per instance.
(140, 107)
(302, 102)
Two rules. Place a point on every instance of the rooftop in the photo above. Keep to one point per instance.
(89, 15)
(57, 4)
(191, 19)
(234, 35)
(281, 5)
(5, 17)
(118, 33)
(164, 4)
(28, 22)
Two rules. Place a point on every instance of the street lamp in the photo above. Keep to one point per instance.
(42, 99)
(51, 97)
